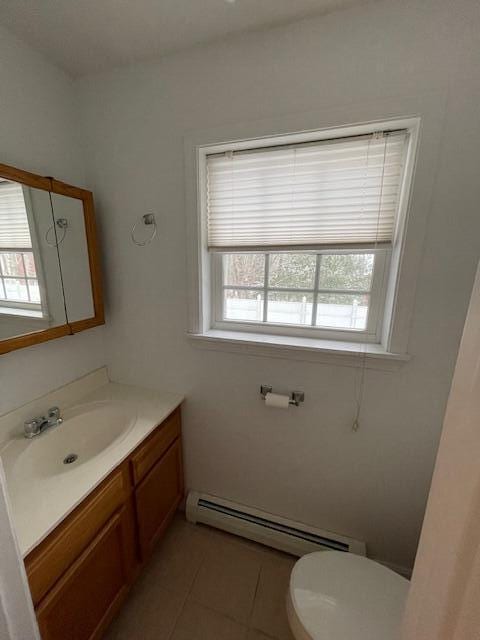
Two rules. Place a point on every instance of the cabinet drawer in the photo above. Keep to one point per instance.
(46, 563)
(150, 451)
(82, 603)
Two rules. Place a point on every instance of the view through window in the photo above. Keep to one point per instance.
(311, 289)
(19, 287)
(18, 278)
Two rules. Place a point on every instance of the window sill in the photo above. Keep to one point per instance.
(22, 314)
(348, 354)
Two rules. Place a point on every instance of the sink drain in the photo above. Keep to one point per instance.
(70, 458)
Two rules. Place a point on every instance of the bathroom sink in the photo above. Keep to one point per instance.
(87, 431)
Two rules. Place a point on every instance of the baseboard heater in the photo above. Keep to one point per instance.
(286, 535)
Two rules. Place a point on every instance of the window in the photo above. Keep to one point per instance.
(19, 286)
(321, 290)
(300, 235)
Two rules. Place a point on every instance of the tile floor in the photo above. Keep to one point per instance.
(203, 584)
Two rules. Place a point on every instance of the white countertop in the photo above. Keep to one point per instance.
(40, 502)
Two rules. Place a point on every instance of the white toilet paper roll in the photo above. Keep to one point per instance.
(277, 400)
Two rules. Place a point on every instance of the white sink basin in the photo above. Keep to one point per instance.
(87, 431)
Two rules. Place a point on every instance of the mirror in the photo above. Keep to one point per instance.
(73, 255)
(49, 272)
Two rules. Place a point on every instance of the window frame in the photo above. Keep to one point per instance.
(31, 311)
(372, 332)
(422, 115)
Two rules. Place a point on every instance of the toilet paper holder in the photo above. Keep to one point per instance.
(296, 397)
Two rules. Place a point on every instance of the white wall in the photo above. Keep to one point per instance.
(306, 464)
(39, 132)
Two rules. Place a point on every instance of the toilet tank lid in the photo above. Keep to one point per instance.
(349, 597)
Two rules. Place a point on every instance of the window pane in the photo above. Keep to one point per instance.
(343, 311)
(34, 291)
(30, 265)
(16, 289)
(292, 270)
(346, 271)
(244, 269)
(11, 264)
(290, 308)
(241, 304)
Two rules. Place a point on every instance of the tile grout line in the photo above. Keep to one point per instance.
(221, 614)
(246, 625)
(252, 608)
(202, 558)
(267, 635)
(189, 591)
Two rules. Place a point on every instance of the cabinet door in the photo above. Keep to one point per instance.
(158, 496)
(82, 603)
(47, 563)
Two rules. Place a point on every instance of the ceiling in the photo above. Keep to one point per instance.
(85, 36)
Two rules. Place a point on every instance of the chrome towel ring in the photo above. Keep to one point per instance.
(148, 220)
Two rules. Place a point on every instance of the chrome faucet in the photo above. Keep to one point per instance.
(36, 426)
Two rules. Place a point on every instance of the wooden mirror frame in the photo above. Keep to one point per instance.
(55, 186)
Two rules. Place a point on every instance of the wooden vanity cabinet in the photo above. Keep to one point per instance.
(80, 574)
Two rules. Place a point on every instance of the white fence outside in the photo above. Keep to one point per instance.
(341, 316)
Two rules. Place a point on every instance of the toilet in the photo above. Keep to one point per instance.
(342, 596)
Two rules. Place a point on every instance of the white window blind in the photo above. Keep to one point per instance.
(14, 229)
(332, 192)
